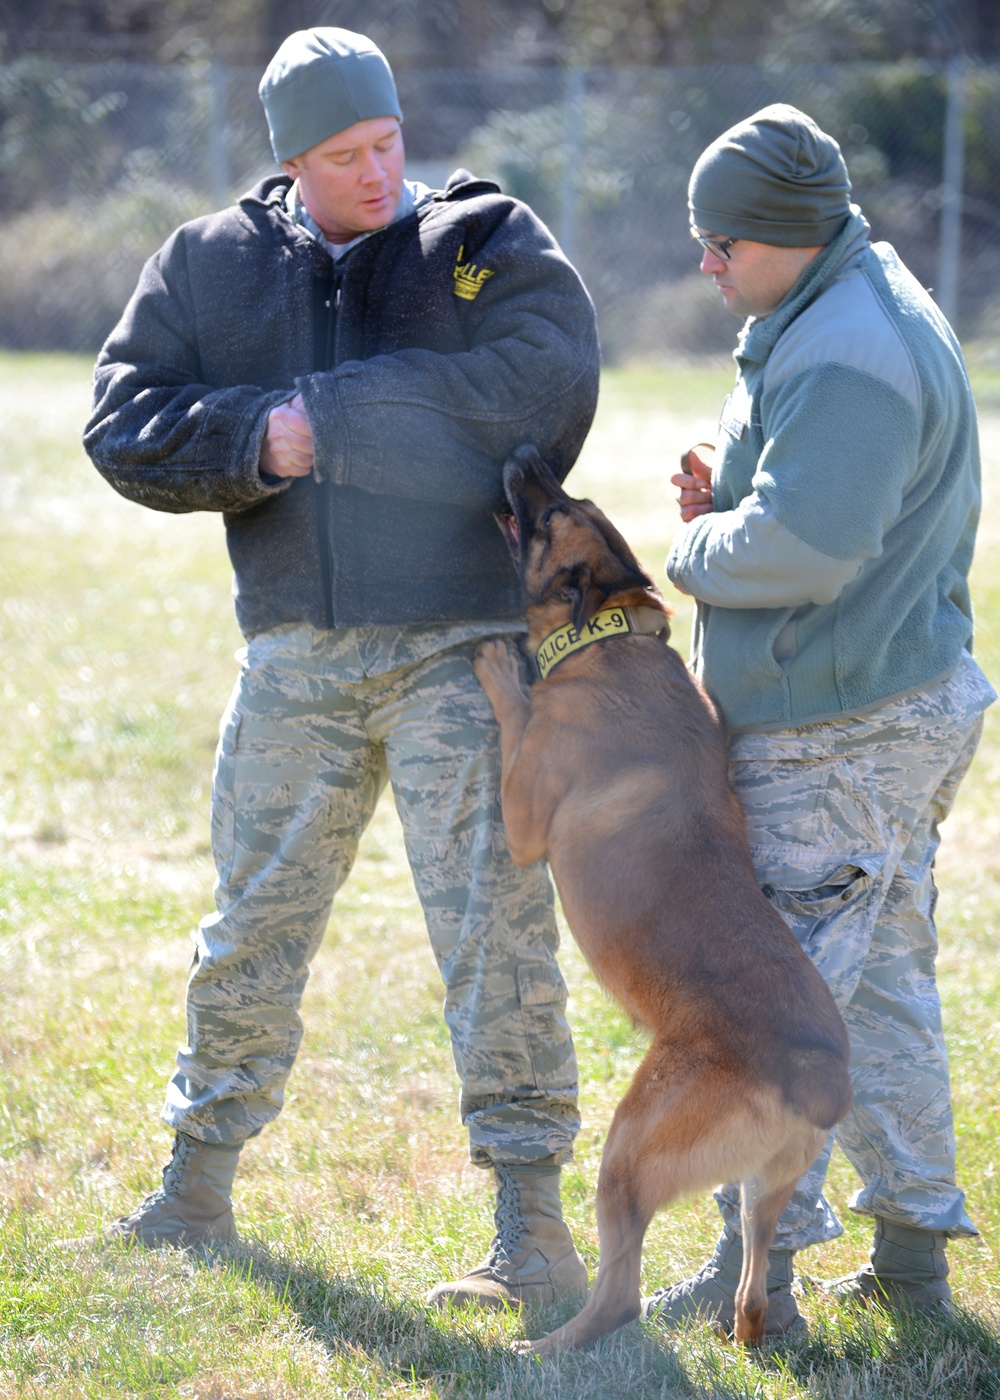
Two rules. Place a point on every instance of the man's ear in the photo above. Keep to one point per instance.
(291, 168)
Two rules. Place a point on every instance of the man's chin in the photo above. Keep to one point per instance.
(377, 216)
(362, 221)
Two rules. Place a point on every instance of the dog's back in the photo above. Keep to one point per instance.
(676, 886)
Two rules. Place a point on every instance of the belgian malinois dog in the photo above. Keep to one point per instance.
(614, 770)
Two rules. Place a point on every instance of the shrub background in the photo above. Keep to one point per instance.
(99, 161)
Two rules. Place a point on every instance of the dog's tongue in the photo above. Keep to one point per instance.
(508, 524)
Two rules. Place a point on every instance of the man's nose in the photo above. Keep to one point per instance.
(711, 263)
(374, 167)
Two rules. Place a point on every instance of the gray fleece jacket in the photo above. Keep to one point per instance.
(424, 356)
(833, 571)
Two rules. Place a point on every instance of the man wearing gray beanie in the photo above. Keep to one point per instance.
(340, 365)
(827, 536)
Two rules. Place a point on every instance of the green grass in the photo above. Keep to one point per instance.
(116, 659)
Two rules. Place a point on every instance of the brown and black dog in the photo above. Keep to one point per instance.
(614, 769)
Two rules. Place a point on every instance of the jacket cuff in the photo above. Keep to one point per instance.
(254, 482)
(322, 405)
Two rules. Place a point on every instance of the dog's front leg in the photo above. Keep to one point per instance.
(498, 671)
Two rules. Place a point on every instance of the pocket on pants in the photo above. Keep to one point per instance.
(832, 912)
(813, 896)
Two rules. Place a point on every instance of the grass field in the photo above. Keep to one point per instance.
(116, 662)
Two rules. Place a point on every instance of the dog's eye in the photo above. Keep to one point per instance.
(552, 510)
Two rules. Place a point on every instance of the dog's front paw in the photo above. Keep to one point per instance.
(496, 660)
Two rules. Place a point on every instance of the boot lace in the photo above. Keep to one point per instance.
(508, 1218)
(173, 1172)
(172, 1176)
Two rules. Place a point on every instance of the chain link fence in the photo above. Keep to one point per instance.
(99, 162)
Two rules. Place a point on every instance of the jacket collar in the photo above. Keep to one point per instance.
(273, 190)
(461, 183)
(760, 333)
(414, 194)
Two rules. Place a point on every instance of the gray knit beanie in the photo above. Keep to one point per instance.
(775, 178)
(322, 81)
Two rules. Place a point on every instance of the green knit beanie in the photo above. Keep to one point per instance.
(774, 178)
(322, 81)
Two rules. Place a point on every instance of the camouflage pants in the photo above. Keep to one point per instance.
(308, 742)
(843, 823)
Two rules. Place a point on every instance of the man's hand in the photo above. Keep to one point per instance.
(287, 449)
(695, 481)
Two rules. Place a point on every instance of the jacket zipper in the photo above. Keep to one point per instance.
(325, 351)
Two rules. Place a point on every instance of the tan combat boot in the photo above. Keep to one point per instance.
(907, 1271)
(710, 1294)
(532, 1258)
(193, 1207)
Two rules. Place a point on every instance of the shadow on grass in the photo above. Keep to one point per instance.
(892, 1355)
(467, 1353)
(352, 1315)
(387, 1343)
(878, 1355)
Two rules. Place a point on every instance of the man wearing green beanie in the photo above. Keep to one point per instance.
(340, 365)
(827, 537)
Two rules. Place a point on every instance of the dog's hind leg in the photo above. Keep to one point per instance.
(624, 1210)
(762, 1199)
(759, 1218)
(646, 1163)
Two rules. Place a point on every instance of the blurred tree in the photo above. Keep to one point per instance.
(664, 32)
(144, 30)
(441, 33)
(490, 33)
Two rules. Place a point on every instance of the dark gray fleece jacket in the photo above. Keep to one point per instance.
(424, 356)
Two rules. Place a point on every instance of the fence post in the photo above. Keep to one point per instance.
(951, 189)
(218, 158)
(572, 155)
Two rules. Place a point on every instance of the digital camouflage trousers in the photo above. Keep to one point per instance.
(309, 740)
(843, 823)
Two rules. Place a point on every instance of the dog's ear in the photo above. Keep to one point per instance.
(587, 597)
(625, 575)
(632, 570)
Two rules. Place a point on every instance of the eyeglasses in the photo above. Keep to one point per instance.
(719, 246)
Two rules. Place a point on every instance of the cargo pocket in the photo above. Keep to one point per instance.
(542, 995)
(848, 884)
(832, 913)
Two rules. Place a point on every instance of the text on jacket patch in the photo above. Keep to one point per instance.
(469, 278)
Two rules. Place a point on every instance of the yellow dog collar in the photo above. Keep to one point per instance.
(608, 622)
